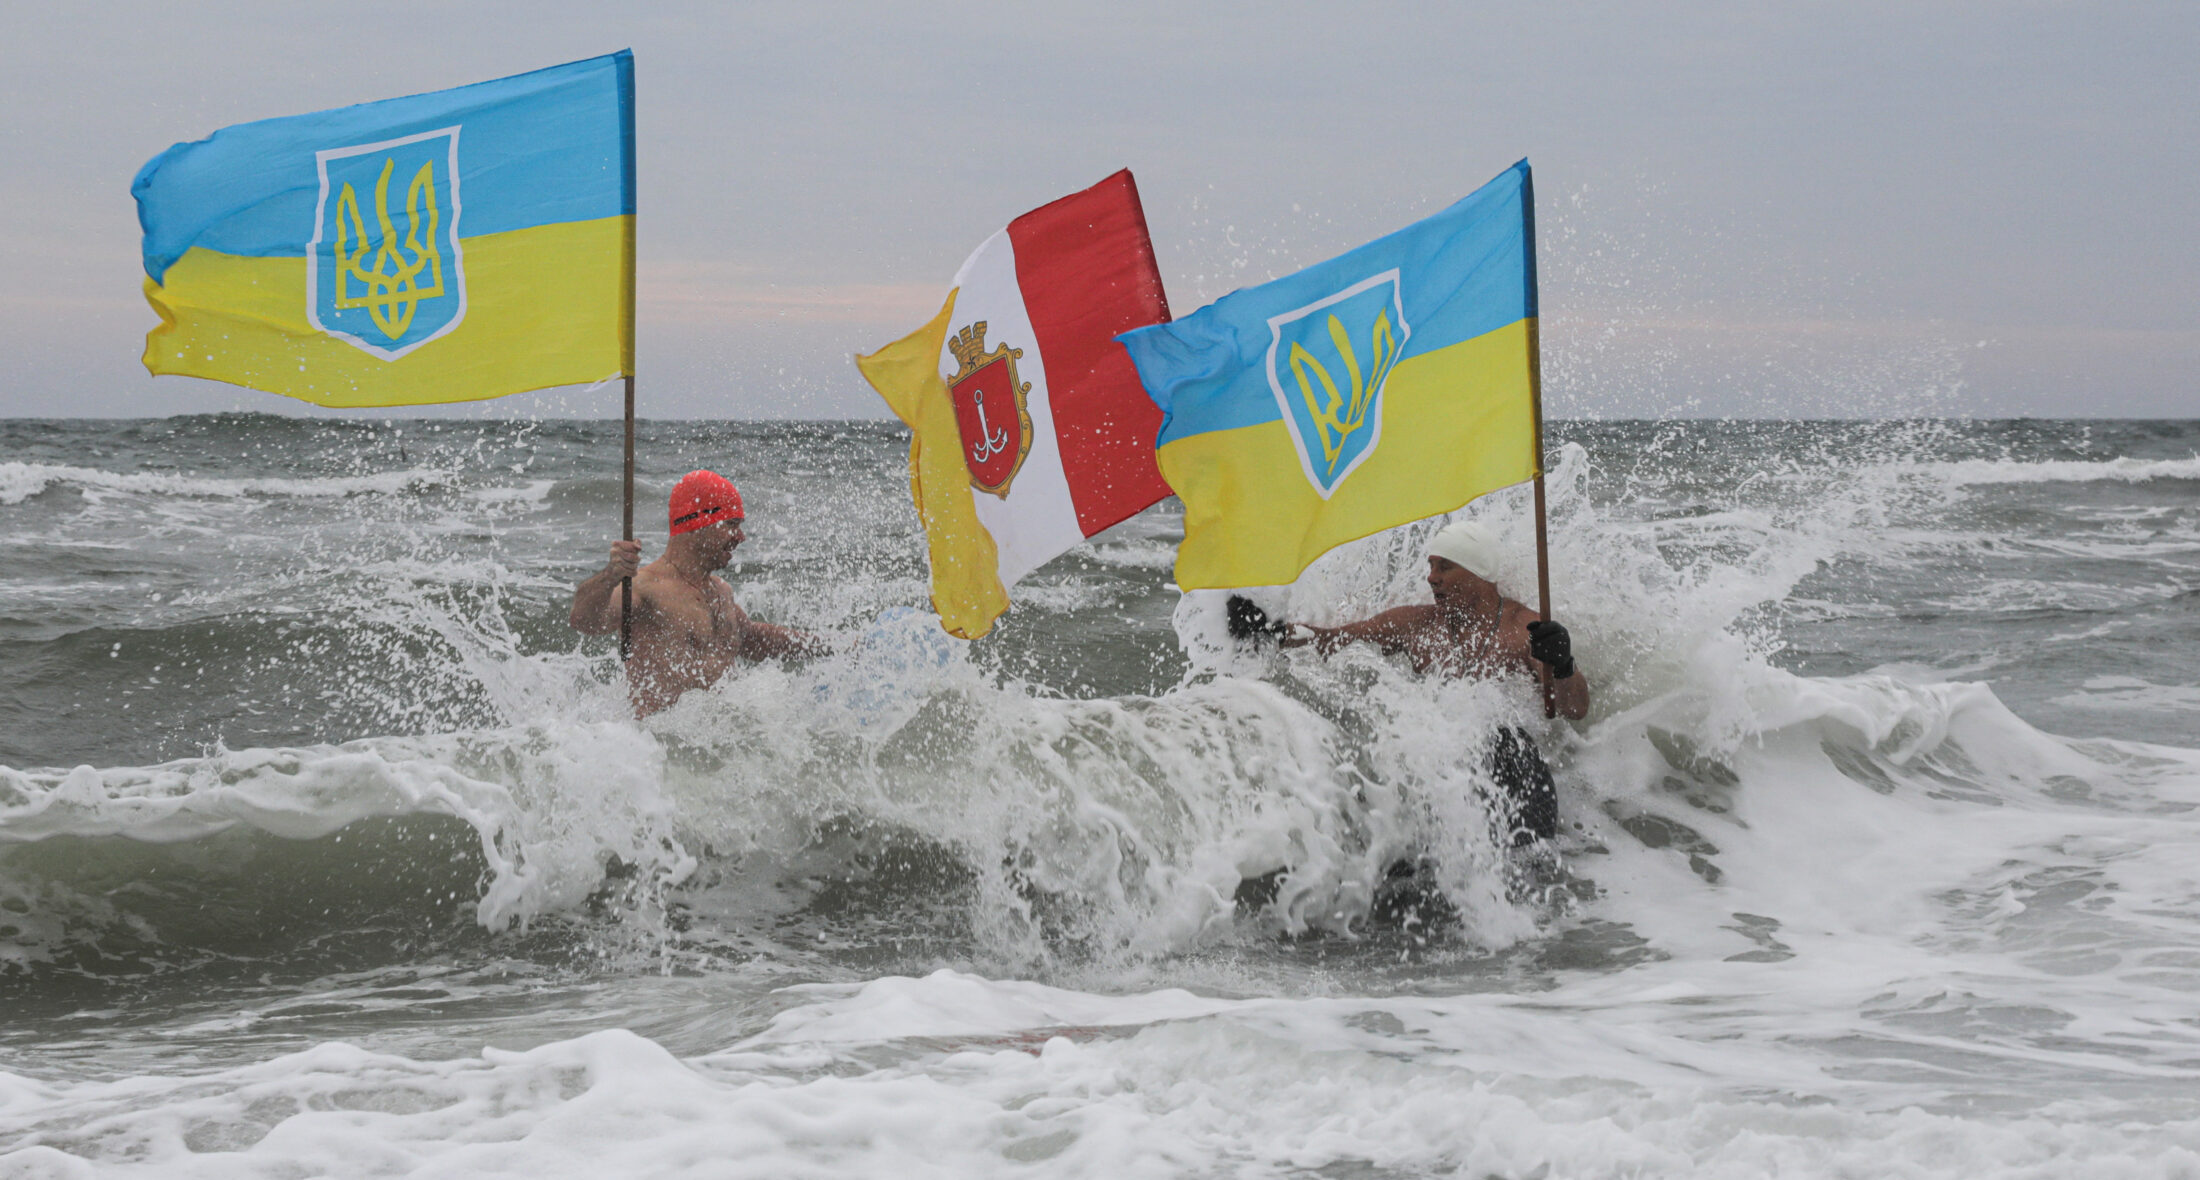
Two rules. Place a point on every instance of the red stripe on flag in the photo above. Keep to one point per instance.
(1087, 272)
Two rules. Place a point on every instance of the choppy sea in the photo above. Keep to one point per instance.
(327, 850)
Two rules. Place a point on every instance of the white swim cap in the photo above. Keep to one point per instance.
(1470, 545)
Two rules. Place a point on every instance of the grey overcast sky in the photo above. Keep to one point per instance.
(1765, 209)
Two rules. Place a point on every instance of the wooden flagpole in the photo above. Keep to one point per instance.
(1542, 536)
(626, 585)
(626, 531)
(1535, 399)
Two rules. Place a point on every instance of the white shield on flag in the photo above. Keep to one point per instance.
(384, 272)
(1327, 364)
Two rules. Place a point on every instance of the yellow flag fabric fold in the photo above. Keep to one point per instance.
(966, 582)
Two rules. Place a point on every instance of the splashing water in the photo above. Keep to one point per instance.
(1876, 856)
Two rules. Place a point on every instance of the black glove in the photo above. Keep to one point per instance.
(1548, 642)
(1248, 621)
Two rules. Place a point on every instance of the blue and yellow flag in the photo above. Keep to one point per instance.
(1388, 384)
(445, 247)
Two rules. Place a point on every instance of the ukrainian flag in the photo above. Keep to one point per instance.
(444, 247)
(1388, 384)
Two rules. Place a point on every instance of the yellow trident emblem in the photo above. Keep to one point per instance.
(1339, 412)
(390, 289)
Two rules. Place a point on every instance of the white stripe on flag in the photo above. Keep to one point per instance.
(1037, 521)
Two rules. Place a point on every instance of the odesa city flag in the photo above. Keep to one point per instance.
(444, 247)
(1390, 383)
(1029, 429)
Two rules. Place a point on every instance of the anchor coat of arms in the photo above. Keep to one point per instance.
(992, 409)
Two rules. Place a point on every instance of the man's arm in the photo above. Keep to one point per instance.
(770, 641)
(596, 599)
(1389, 631)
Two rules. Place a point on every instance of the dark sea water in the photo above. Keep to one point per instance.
(327, 849)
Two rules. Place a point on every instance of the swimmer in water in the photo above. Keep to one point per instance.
(1471, 629)
(687, 629)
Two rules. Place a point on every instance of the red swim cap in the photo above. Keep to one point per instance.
(703, 498)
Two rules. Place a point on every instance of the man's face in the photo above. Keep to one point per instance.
(718, 539)
(1453, 583)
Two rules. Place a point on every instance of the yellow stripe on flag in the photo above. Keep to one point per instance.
(1457, 423)
(966, 580)
(542, 309)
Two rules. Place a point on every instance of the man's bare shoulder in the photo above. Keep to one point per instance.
(662, 588)
(653, 582)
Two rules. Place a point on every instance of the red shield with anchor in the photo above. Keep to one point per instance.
(992, 409)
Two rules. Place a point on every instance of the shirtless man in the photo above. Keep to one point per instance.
(1471, 629)
(687, 628)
